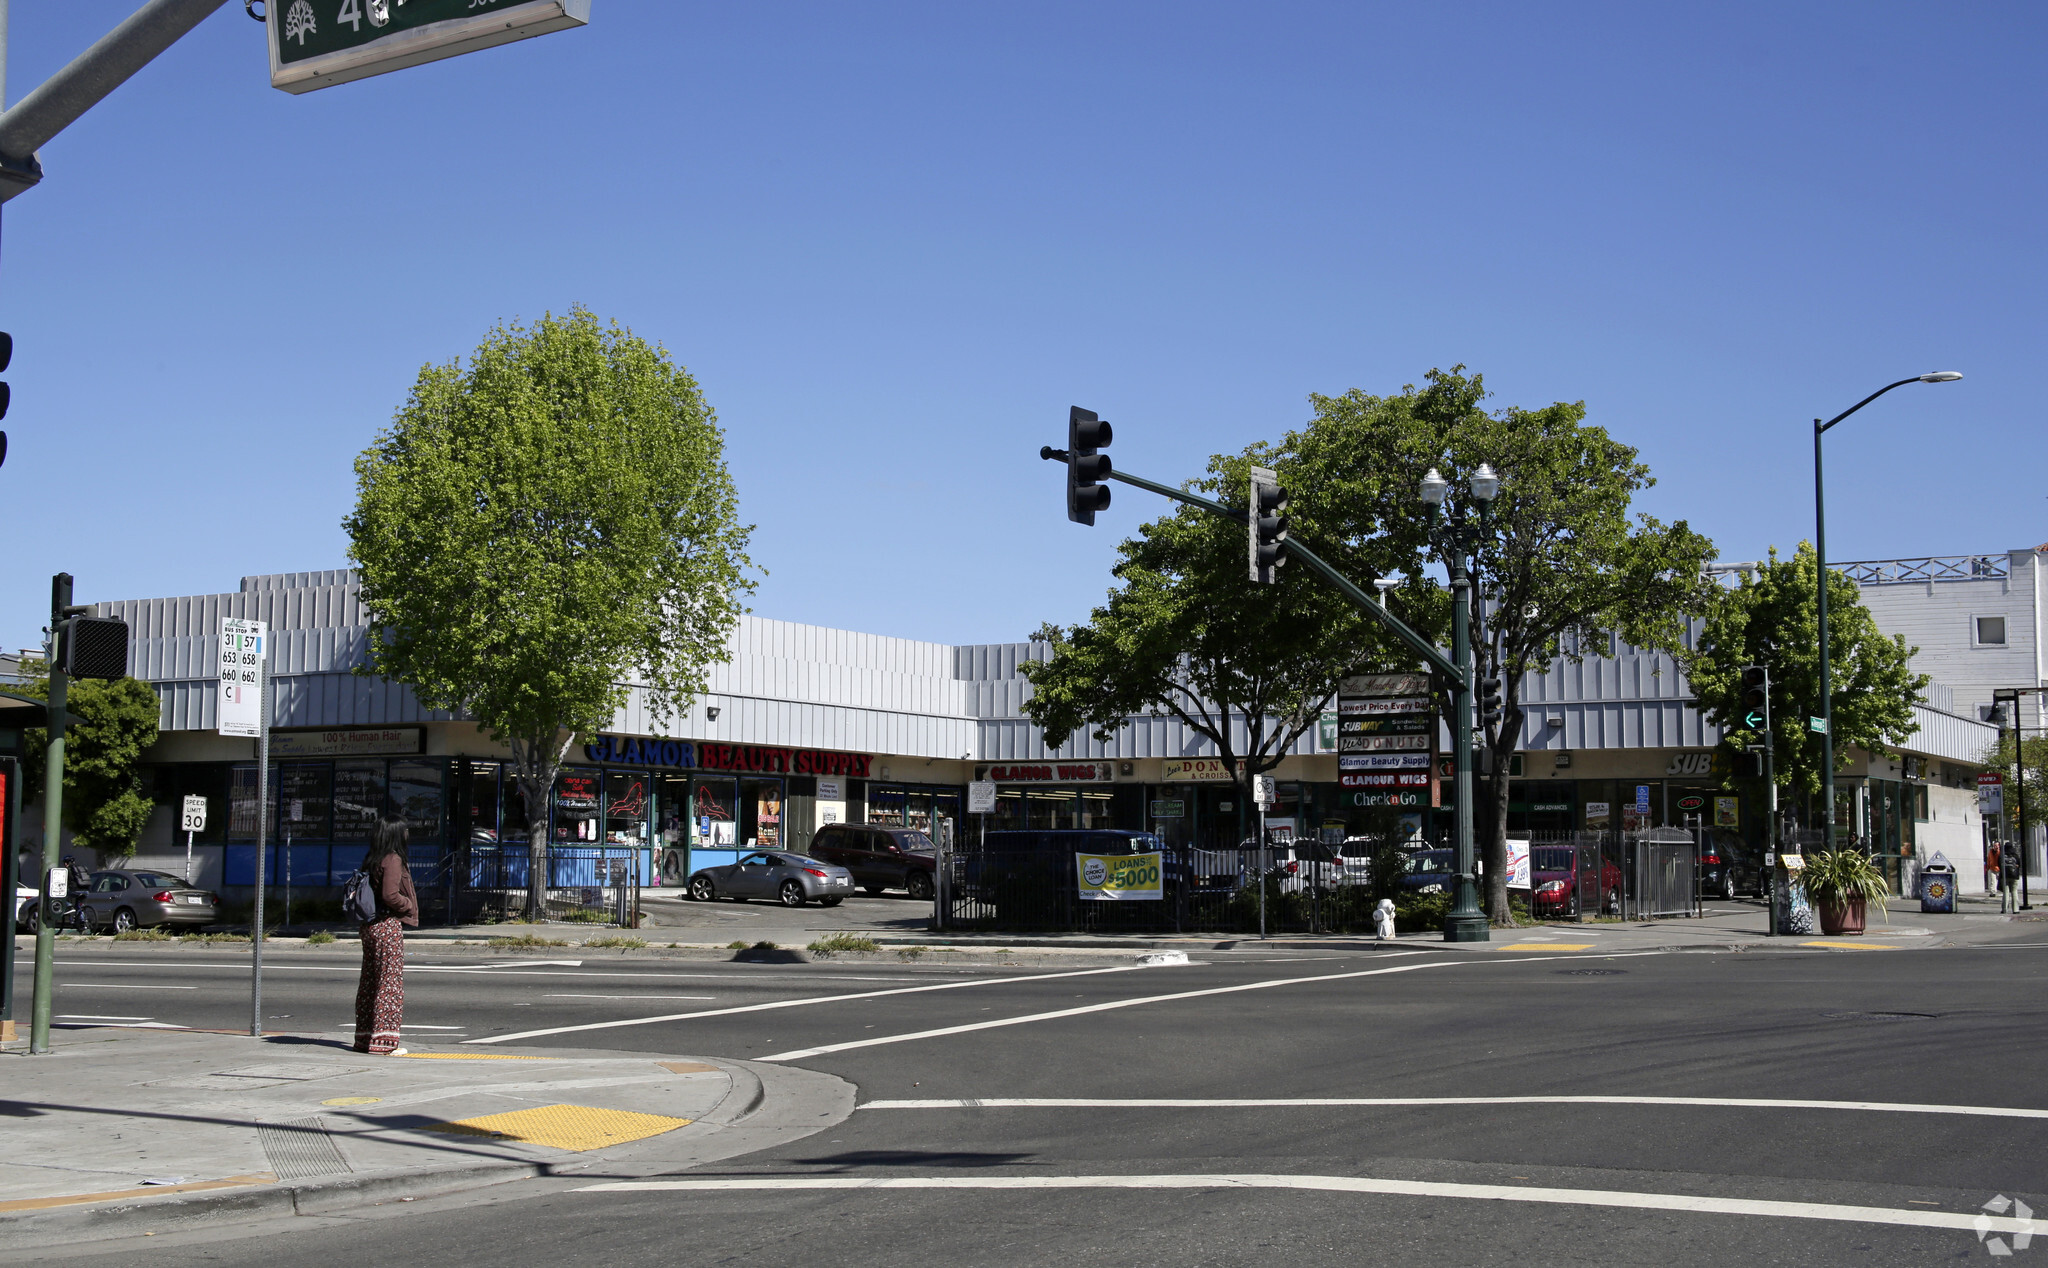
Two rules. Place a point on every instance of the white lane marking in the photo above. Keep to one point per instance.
(567, 996)
(96, 1017)
(798, 1003)
(116, 1025)
(1111, 1005)
(1362, 1184)
(122, 986)
(1339, 1102)
(750, 973)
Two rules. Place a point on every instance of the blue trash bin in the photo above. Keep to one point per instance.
(1938, 887)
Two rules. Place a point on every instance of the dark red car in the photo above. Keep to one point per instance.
(1554, 882)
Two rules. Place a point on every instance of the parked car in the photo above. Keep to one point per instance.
(1730, 865)
(1010, 856)
(124, 900)
(25, 914)
(1429, 871)
(789, 878)
(880, 858)
(1554, 882)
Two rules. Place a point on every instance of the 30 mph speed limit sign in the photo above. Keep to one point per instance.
(194, 819)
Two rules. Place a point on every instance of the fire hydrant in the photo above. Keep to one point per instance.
(1383, 918)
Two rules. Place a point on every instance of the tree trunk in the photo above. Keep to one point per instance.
(1497, 909)
(537, 762)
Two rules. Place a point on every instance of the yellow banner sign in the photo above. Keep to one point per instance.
(1119, 877)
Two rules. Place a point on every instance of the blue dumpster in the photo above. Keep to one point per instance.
(1938, 886)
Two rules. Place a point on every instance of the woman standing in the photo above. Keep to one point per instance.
(380, 997)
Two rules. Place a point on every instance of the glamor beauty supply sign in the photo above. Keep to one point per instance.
(1119, 877)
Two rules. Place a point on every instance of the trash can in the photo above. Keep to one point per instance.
(1938, 887)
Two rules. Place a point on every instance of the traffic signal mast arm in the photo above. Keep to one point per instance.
(1416, 643)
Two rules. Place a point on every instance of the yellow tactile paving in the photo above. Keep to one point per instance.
(571, 1127)
(472, 1056)
(1850, 946)
(1548, 946)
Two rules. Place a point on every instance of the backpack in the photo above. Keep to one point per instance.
(359, 897)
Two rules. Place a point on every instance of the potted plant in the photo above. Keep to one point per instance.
(1841, 883)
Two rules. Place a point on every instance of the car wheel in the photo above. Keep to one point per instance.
(701, 889)
(31, 917)
(124, 920)
(833, 901)
(920, 887)
(1728, 887)
(1613, 904)
(792, 894)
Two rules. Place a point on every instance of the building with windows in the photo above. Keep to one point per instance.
(803, 726)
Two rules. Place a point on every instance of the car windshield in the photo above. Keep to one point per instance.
(1551, 860)
(1428, 861)
(915, 842)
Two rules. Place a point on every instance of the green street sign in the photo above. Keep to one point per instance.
(1753, 720)
(319, 43)
(1819, 726)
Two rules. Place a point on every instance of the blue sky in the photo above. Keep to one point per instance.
(895, 242)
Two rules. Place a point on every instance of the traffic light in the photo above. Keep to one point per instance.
(1268, 525)
(6, 356)
(1491, 705)
(1756, 698)
(93, 647)
(1086, 469)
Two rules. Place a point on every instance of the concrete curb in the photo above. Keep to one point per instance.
(131, 1217)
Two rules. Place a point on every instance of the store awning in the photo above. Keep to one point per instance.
(25, 711)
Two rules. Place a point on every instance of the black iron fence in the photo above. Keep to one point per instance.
(486, 884)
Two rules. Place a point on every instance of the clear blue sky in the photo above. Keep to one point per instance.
(895, 242)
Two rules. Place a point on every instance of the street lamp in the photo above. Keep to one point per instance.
(1820, 550)
(1458, 532)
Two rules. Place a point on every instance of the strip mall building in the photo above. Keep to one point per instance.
(804, 726)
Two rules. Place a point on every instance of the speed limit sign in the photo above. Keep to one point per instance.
(195, 814)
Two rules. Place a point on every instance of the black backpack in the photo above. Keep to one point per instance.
(359, 897)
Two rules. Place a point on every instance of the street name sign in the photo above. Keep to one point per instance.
(1819, 726)
(240, 708)
(320, 43)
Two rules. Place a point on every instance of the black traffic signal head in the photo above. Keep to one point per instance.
(93, 647)
(1756, 697)
(1086, 469)
(6, 358)
(1491, 704)
(1268, 525)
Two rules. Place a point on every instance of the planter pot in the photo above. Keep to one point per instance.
(1838, 916)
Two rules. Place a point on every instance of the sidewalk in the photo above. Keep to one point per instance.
(123, 1131)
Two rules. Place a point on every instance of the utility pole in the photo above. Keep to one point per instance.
(53, 815)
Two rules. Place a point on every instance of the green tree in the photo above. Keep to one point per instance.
(1560, 559)
(542, 527)
(1998, 757)
(1770, 618)
(104, 805)
(1188, 634)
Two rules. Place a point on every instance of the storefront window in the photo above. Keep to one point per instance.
(625, 808)
(304, 798)
(415, 793)
(761, 813)
(1097, 808)
(714, 825)
(242, 804)
(358, 798)
(477, 802)
(887, 805)
(576, 808)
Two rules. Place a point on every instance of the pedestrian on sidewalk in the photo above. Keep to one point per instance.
(2009, 900)
(380, 995)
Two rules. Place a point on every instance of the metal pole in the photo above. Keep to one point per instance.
(1264, 867)
(1467, 920)
(188, 832)
(262, 838)
(1827, 693)
(53, 818)
(10, 864)
(2019, 772)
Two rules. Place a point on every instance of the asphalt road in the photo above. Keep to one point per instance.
(1628, 1181)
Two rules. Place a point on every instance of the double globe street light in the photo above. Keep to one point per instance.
(1456, 530)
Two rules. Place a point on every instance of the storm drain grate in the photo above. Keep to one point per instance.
(1591, 972)
(300, 1149)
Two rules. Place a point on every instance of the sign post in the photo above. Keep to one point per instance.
(320, 43)
(241, 710)
(193, 819)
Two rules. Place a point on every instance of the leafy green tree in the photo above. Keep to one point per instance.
(542, 527)
(1560, 559)
(104, 805)
(1998, 757)
(1188, 634)
(1771, 618)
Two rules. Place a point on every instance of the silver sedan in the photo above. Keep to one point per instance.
(791, 879)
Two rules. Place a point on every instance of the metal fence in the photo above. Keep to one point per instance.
(485, 884)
